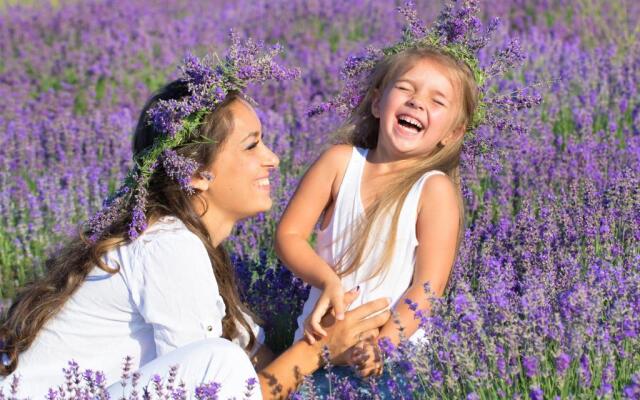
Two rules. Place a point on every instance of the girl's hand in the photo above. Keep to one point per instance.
(332, 297)
(366, 358)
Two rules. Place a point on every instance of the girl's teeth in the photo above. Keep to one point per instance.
(263, 182)
(411, 121)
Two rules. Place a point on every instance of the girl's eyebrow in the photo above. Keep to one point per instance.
(413, 83)
(407, 80)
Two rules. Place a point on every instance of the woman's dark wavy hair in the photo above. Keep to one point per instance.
(39, 301)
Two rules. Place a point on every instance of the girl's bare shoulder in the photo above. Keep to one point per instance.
(438, 192)
(335, 159)
(337, 154)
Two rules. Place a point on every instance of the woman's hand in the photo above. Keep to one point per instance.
(280, 378)
(366, 358)
(358, 325)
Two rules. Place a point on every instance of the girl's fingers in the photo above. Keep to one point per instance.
(351, 296)
(338, 305)
(317, 328)
(317, 314)
(309, 337)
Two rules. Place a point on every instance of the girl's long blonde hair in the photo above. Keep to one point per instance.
(361, 130)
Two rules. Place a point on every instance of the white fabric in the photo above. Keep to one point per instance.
(333, 240)
(163, 297)
(202, 361)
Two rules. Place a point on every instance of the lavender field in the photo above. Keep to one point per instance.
(544, 300)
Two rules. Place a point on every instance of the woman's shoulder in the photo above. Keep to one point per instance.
(167, 247)
(168, 234)
(167, 224)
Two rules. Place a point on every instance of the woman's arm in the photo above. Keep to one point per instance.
(437, 233)
(262, 357)
(281, 377)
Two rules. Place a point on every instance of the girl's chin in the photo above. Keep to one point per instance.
(403, 145)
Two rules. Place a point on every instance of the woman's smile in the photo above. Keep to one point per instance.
(263, 184)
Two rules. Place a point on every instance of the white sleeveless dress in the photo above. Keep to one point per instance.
(334, 239)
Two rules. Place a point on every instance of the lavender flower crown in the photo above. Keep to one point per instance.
(457, 32)
(208, 81)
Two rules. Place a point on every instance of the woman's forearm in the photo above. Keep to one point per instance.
(263, 357)
(283, 376)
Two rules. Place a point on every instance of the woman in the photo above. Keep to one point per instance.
(165, 294)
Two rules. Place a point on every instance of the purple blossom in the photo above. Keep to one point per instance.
(535, 393)
(548, 263)
(562, 363)
(530, 365)
(180, 169)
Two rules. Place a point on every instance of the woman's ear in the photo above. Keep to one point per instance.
(375, 104)
(202, 180)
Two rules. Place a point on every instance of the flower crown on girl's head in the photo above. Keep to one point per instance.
(208, 80)
(457, 32)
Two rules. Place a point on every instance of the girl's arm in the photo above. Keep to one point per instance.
(313, 196)
(280, 378)
(437, 233)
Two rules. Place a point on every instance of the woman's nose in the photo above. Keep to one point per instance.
(271, 159)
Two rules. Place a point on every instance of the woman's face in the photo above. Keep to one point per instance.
(417, 110)
(240, 187)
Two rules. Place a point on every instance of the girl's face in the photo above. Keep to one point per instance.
(417, 111)
(240, 187)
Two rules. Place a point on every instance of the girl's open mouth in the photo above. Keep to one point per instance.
(410, 124)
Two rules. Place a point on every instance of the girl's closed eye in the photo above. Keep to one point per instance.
(404, 88)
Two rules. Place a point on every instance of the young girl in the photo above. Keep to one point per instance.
(165, 294)
(390, 199)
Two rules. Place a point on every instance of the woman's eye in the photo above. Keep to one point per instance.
(438, 102)
(403, 88)
(253, 145)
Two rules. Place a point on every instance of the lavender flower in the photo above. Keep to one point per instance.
(562, 363)
(530, 365)
(180, 169)
(549, 261)
(536, 393)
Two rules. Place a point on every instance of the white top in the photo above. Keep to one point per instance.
(332, 241)
(163, 297)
